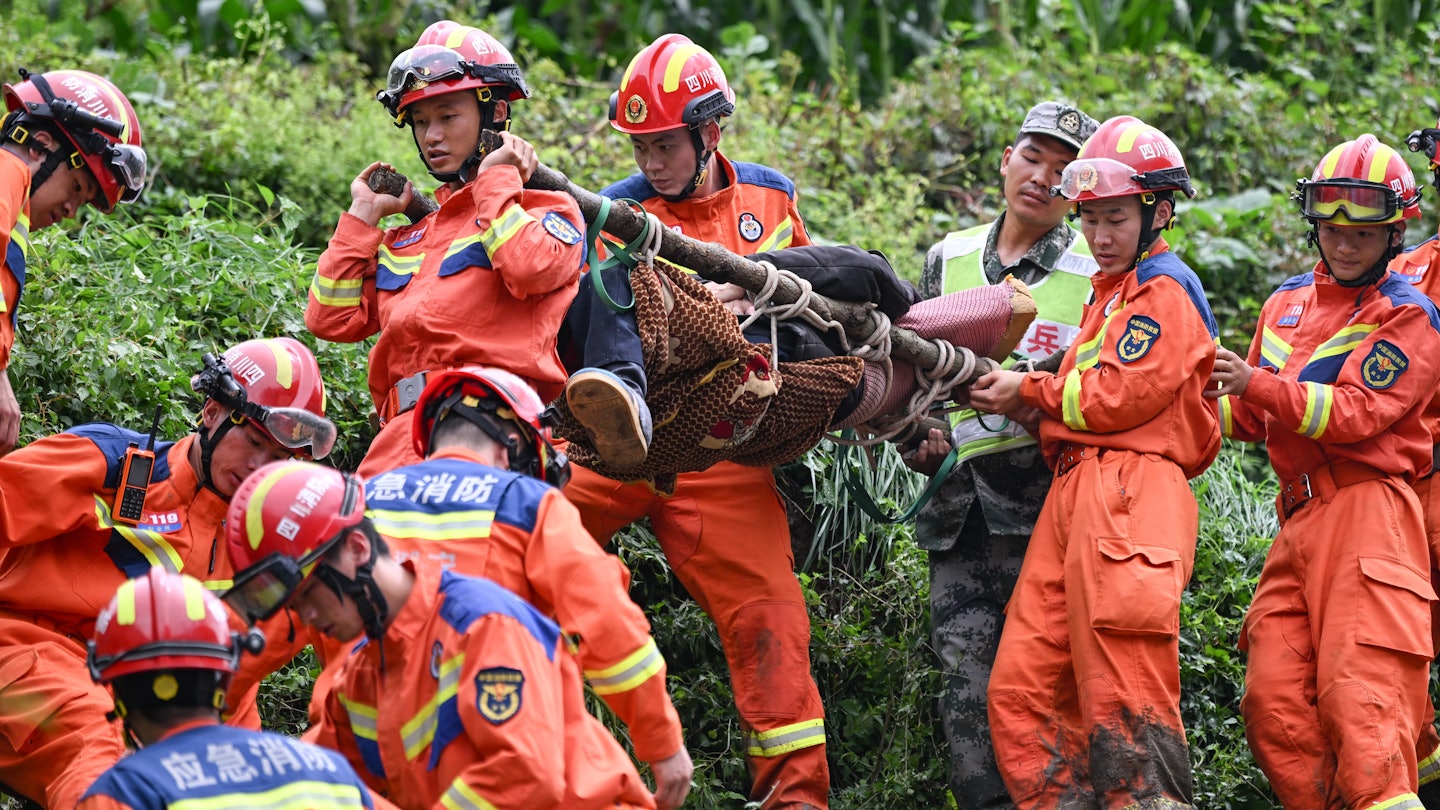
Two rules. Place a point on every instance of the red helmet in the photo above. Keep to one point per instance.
(671, 83)
(1125, 156)
(447, 58)
(473, 390)
(283, 519)
(163, 621)
(96, 118)
(274, 382)
(1360, 182)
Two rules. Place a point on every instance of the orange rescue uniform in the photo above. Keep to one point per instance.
(484, 280)
(14, 245)
(724, 530)
(1420, 265)
(64, 557)
(520, 533)
(478, 704)
(1338, 633)
(1085, 694)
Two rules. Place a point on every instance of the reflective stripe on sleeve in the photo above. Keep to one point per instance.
(637, 668)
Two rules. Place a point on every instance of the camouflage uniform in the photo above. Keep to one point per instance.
(976, 530)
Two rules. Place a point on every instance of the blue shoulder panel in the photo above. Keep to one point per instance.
(113, 440)
(466, 600)
(756, 175)
(1432, 238)
(635, 187)
(1168, 264)
(1401, 292)
(1296, 282)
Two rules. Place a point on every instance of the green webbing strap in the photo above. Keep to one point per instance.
(620, 255)
(867, 504)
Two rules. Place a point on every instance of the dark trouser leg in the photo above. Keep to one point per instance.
(603, 338)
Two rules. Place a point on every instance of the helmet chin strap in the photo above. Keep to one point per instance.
(362, 590)
(208, 442)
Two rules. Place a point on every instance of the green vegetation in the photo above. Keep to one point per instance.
(256, 124)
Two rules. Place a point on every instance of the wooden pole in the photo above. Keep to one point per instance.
(720, 264)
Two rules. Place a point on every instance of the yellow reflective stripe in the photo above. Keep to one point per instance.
(1070, 402)
(194, 599)
(419, 731)
(254, 515)
(362, 718)
(671, 82)
(1087, 354)
(125, 603)
(1227, 416)
(219, 584)
(1346, 340)
(20, 237)
(1318, 398)
(1380, 161)
(1429, 767)
(1405, 801)
(1273, 349)
(1127, 138)
(502, 229)
(779, 238)
(460, 796)
(304, 795)
(336, 292)
(637, 668)
(785, 739)
(459, 245)
(399, 265)
(405, 525)
(153, 545)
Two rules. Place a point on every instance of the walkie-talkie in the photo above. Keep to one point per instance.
(129, 504)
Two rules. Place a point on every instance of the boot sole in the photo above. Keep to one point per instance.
(613, 423)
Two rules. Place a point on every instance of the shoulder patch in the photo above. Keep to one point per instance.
(1141, 334)
(560, 228)
(1383, 365)
(499, 692)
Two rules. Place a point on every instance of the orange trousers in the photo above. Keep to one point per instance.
(393, 447)
(1339, 645)
(726, 537)
(54, 738)
(1085, 693)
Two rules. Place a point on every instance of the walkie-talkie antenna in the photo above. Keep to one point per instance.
(154, 426)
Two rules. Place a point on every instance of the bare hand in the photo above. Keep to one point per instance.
(9, 414)
(997, 392)
(928, 455)
(1028, 418)
(672, 779)
(373, 206)
(735, 298)
(1231, 374)
(514, 151)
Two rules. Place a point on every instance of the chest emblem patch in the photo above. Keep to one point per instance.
(1383, 365)
(498, 693)
(407, 239)
(1291, 316)
(750, 228)
(1141, 334)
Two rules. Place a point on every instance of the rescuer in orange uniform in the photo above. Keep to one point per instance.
(165, 648)
(1085, 694)
(1339, 373)
(1420, 265)
(460, 693)
(67, 547)
(69, 139)
(487, 278)
(482, 505)
(724, 530)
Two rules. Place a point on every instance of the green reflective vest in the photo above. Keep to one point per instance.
(1059, 298)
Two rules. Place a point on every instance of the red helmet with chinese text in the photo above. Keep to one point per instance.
(275, 383)
(671, 83)
(164, 621)
(1125, 157)
(284, 518)
(1360, 183)
(450, 57)
(93, 116)
(479, 394)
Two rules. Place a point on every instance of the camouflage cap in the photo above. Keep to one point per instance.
(1062, 122)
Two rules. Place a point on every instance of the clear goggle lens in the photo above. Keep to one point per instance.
(299, 429)
(1101, 177)
(422, 65)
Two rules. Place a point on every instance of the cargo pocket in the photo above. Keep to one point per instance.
(1135, 587)
(16, 723)
(1394, 611)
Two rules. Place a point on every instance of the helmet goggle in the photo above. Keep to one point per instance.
(127, 164)
(263, 588)
(424, 65)
(1103, 178)
(199, 649)
(1425, 140)
(1358, 201)
(292, 428)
